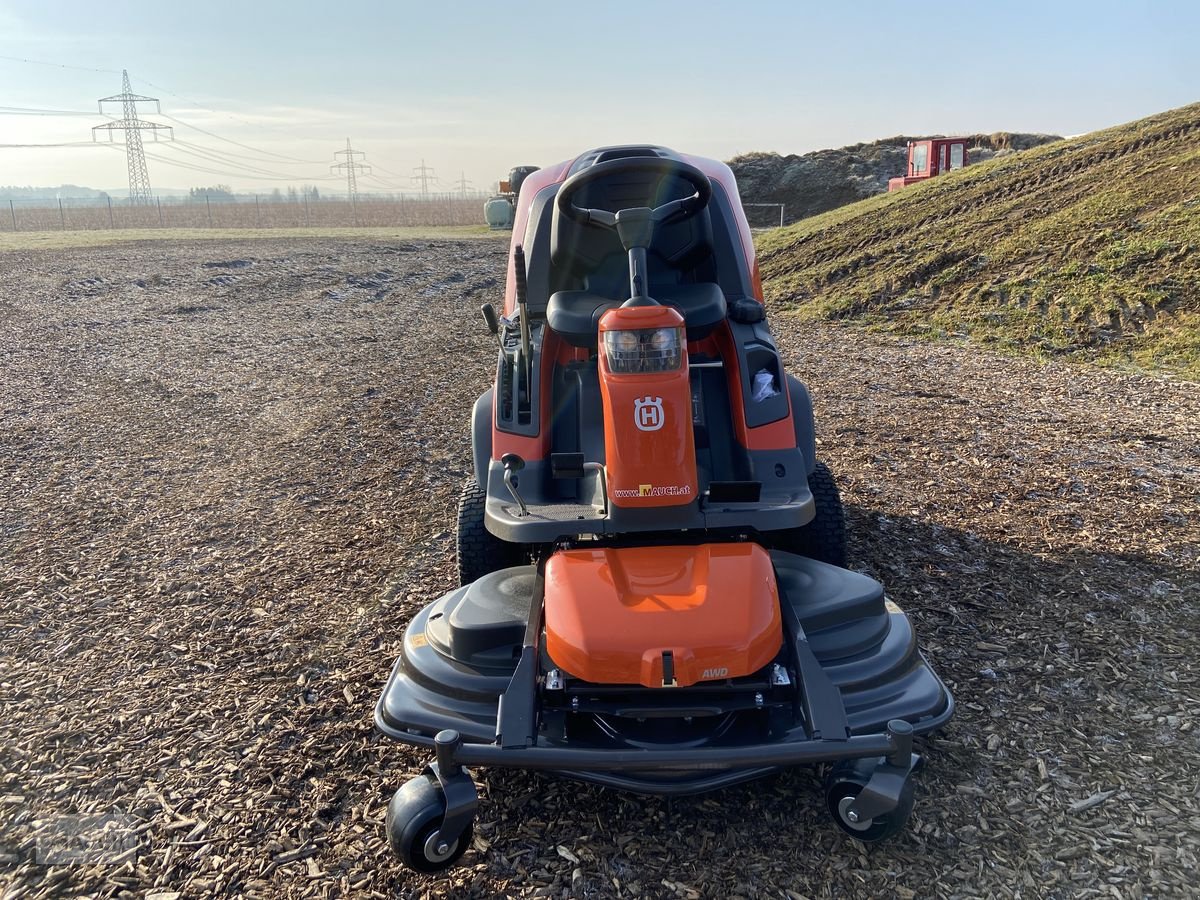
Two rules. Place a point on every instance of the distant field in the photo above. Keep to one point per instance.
(53, 240)
(75, 214)
(1087, 248)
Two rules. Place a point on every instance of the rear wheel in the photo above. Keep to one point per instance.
(479, 551)
(824, 538)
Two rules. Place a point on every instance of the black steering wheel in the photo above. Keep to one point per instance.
(676, 210)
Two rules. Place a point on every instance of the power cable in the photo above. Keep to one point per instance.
(35, 111)
(215, 157)
(239, 143)
(65, 144)
(223, 173)
(244, 156)
(53, 65)
(226, 114)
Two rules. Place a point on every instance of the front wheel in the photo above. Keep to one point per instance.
(413, 818)
(478, 550)
(840, 792)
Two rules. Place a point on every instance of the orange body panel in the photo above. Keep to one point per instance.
(649, 444)
(767, 437)
(612, 613)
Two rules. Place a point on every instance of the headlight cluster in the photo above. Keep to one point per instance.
(644, 350)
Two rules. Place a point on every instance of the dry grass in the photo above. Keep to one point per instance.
(1088, 248)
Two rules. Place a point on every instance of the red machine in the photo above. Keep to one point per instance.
(929, 158)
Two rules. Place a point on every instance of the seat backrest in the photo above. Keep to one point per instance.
(591, 258)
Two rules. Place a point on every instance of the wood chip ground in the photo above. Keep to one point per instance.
(228, 474)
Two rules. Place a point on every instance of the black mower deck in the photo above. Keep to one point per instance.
(849, 666)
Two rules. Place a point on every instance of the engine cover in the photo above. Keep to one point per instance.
(662, 616)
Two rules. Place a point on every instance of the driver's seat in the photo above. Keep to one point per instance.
(575, 315)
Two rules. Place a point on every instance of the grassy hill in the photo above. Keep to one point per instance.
(1088, 247)
(813, 183)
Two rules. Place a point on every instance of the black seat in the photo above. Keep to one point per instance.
(575, 315)
(702, 305)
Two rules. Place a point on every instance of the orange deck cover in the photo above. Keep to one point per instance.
(612, 613)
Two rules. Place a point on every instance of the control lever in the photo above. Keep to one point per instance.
(521, 283)
(493, 322)
(513, 464)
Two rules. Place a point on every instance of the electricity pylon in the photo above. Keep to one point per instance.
(132, 126)
(351, 166)
(424, 176)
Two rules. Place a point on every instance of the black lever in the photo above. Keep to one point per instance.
(522, 290)
(493, 322)
(512, 464)
(490, 317)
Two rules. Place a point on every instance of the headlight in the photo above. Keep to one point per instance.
(644, 350)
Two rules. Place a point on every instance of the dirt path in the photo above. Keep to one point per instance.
(228, 474)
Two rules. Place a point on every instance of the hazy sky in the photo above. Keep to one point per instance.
(480, 87)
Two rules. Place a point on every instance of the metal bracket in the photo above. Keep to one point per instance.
(461, 796)
(820, 699)
(888, 776)
(516, 713)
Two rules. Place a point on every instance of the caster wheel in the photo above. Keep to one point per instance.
(413, 819)
(840, 791)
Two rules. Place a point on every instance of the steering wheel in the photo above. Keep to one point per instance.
(676, 210)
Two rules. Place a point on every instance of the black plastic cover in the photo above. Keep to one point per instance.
(483, 624)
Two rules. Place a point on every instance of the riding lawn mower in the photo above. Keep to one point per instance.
(652, 558)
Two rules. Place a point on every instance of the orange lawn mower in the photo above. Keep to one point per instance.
(653, 594)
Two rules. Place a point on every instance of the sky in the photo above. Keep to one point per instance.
(475, 88)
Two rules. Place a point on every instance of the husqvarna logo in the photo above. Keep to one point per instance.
(648, 414)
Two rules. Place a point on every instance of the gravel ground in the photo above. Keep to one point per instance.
(229, 476)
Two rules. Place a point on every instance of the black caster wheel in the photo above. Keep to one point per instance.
(413, 818)
(842, 786)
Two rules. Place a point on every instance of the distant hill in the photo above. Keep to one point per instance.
(13, 192)
(75, 191)
(817, 182)
(1089, 246)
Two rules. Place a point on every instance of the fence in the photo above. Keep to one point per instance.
(755, 214)
(241, 212)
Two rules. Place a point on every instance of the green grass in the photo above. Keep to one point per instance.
(1087, 248)
(58, 240)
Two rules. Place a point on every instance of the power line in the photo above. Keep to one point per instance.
(387, 172)
(132, 127)
(386, 185)
(226, 153)
(64, 144)
(225, 173)
(34, 111)
(217, 157)
(53, 65)
(239, 143)
(226, 114)
(462, 184)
